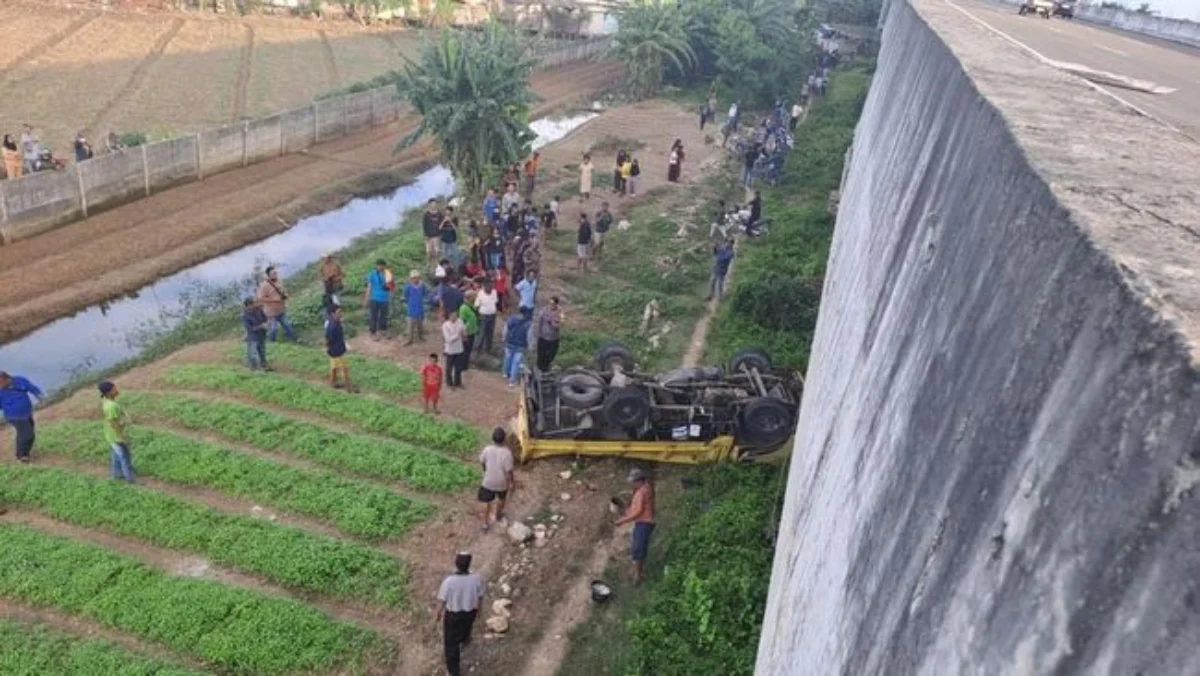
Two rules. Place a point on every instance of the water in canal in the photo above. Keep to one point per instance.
(106, 334)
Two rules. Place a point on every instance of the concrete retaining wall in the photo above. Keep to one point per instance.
(33, 204)
(1175, 30)
(999, 446)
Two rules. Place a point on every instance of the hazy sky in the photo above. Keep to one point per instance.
(1180, 9)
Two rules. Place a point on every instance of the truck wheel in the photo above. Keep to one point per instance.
(627, 407)
(581, 389)
(766, 421)
(614, 354)
(751, 359)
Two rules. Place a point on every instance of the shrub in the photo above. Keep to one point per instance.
(237, 630)
(356, 507)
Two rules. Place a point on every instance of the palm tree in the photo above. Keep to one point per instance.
(650, 35)
(472, 91)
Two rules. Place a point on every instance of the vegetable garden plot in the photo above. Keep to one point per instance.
(355, 507)
(378, 375)
(291, 557)
(32, 650)
(370, 414)
(363, 455)
(236, 630)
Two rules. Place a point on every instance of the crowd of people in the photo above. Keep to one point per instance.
(28, 155)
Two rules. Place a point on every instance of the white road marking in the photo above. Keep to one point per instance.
(1050, 62)
(1110, 49)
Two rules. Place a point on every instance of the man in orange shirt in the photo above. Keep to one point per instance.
(641, 514)
(531, 169)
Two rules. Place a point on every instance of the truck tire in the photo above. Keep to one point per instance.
(581, 389)
(766, 421)
(614, 354)
(626, 407)
(751, 359)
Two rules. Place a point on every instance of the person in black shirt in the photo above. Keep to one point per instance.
(583, 243)
(448, 232)
(431, 227)
(755, 210)
(335, 347)
(493, 252)
(604, 221)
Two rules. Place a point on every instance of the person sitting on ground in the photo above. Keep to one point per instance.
(496, 460)
(431, 383)
(335, 347)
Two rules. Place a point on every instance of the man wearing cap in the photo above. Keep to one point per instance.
(377, 298)
(415, 295)
(116, 432)
(15, 393)
(459, 598)
(641, 515)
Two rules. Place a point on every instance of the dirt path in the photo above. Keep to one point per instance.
(126, 248)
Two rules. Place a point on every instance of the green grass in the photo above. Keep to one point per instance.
(362, 455)
(378, 375)
(236, 630)
(777, 280)
(287, 556)
(373, 415)
(356, 507)
(35, 650)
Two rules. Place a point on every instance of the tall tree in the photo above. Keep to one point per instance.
(651, 35)
(472, 91)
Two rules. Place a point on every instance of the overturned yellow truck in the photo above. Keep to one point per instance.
(742, 411)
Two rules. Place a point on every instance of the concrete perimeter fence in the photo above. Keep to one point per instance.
(1176, 30)
(36, 203)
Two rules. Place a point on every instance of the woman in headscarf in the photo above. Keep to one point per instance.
(12, 157)
(676, 161)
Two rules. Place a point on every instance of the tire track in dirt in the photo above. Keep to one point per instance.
(241, 92)
(213, 216)
(331, 68)
(138, 77)
(52, 41)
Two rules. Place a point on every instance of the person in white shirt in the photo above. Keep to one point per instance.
(497, 463)
(454, 332)
(458, 598)
(797, 112)
(487, 301)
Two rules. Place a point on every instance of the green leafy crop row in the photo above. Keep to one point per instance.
(370, 414)
(360, 454)
(288, 556)
(34, 650)
(236, 630)
(356, 507)
(370, 373)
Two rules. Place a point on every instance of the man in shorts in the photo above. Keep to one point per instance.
(641, 515)
(604, 221)
(583, 243)
(335, 347)
(497, 463)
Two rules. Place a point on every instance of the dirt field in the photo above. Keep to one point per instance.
(169, 74)
(133, 245)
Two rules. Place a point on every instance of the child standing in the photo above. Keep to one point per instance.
(431, 383)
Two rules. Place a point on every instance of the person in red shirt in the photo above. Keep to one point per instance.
(431, 381)
(502, 288)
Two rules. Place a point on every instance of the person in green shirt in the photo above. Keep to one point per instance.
(469, 316)
(116, 432)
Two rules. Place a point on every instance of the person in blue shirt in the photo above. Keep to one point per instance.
(722, 257)
(491, 208)
(377, 298)
(15, 393)
(516, 341)
(527, 291)
(415, 297)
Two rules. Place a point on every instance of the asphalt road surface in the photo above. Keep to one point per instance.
(1129, 54)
